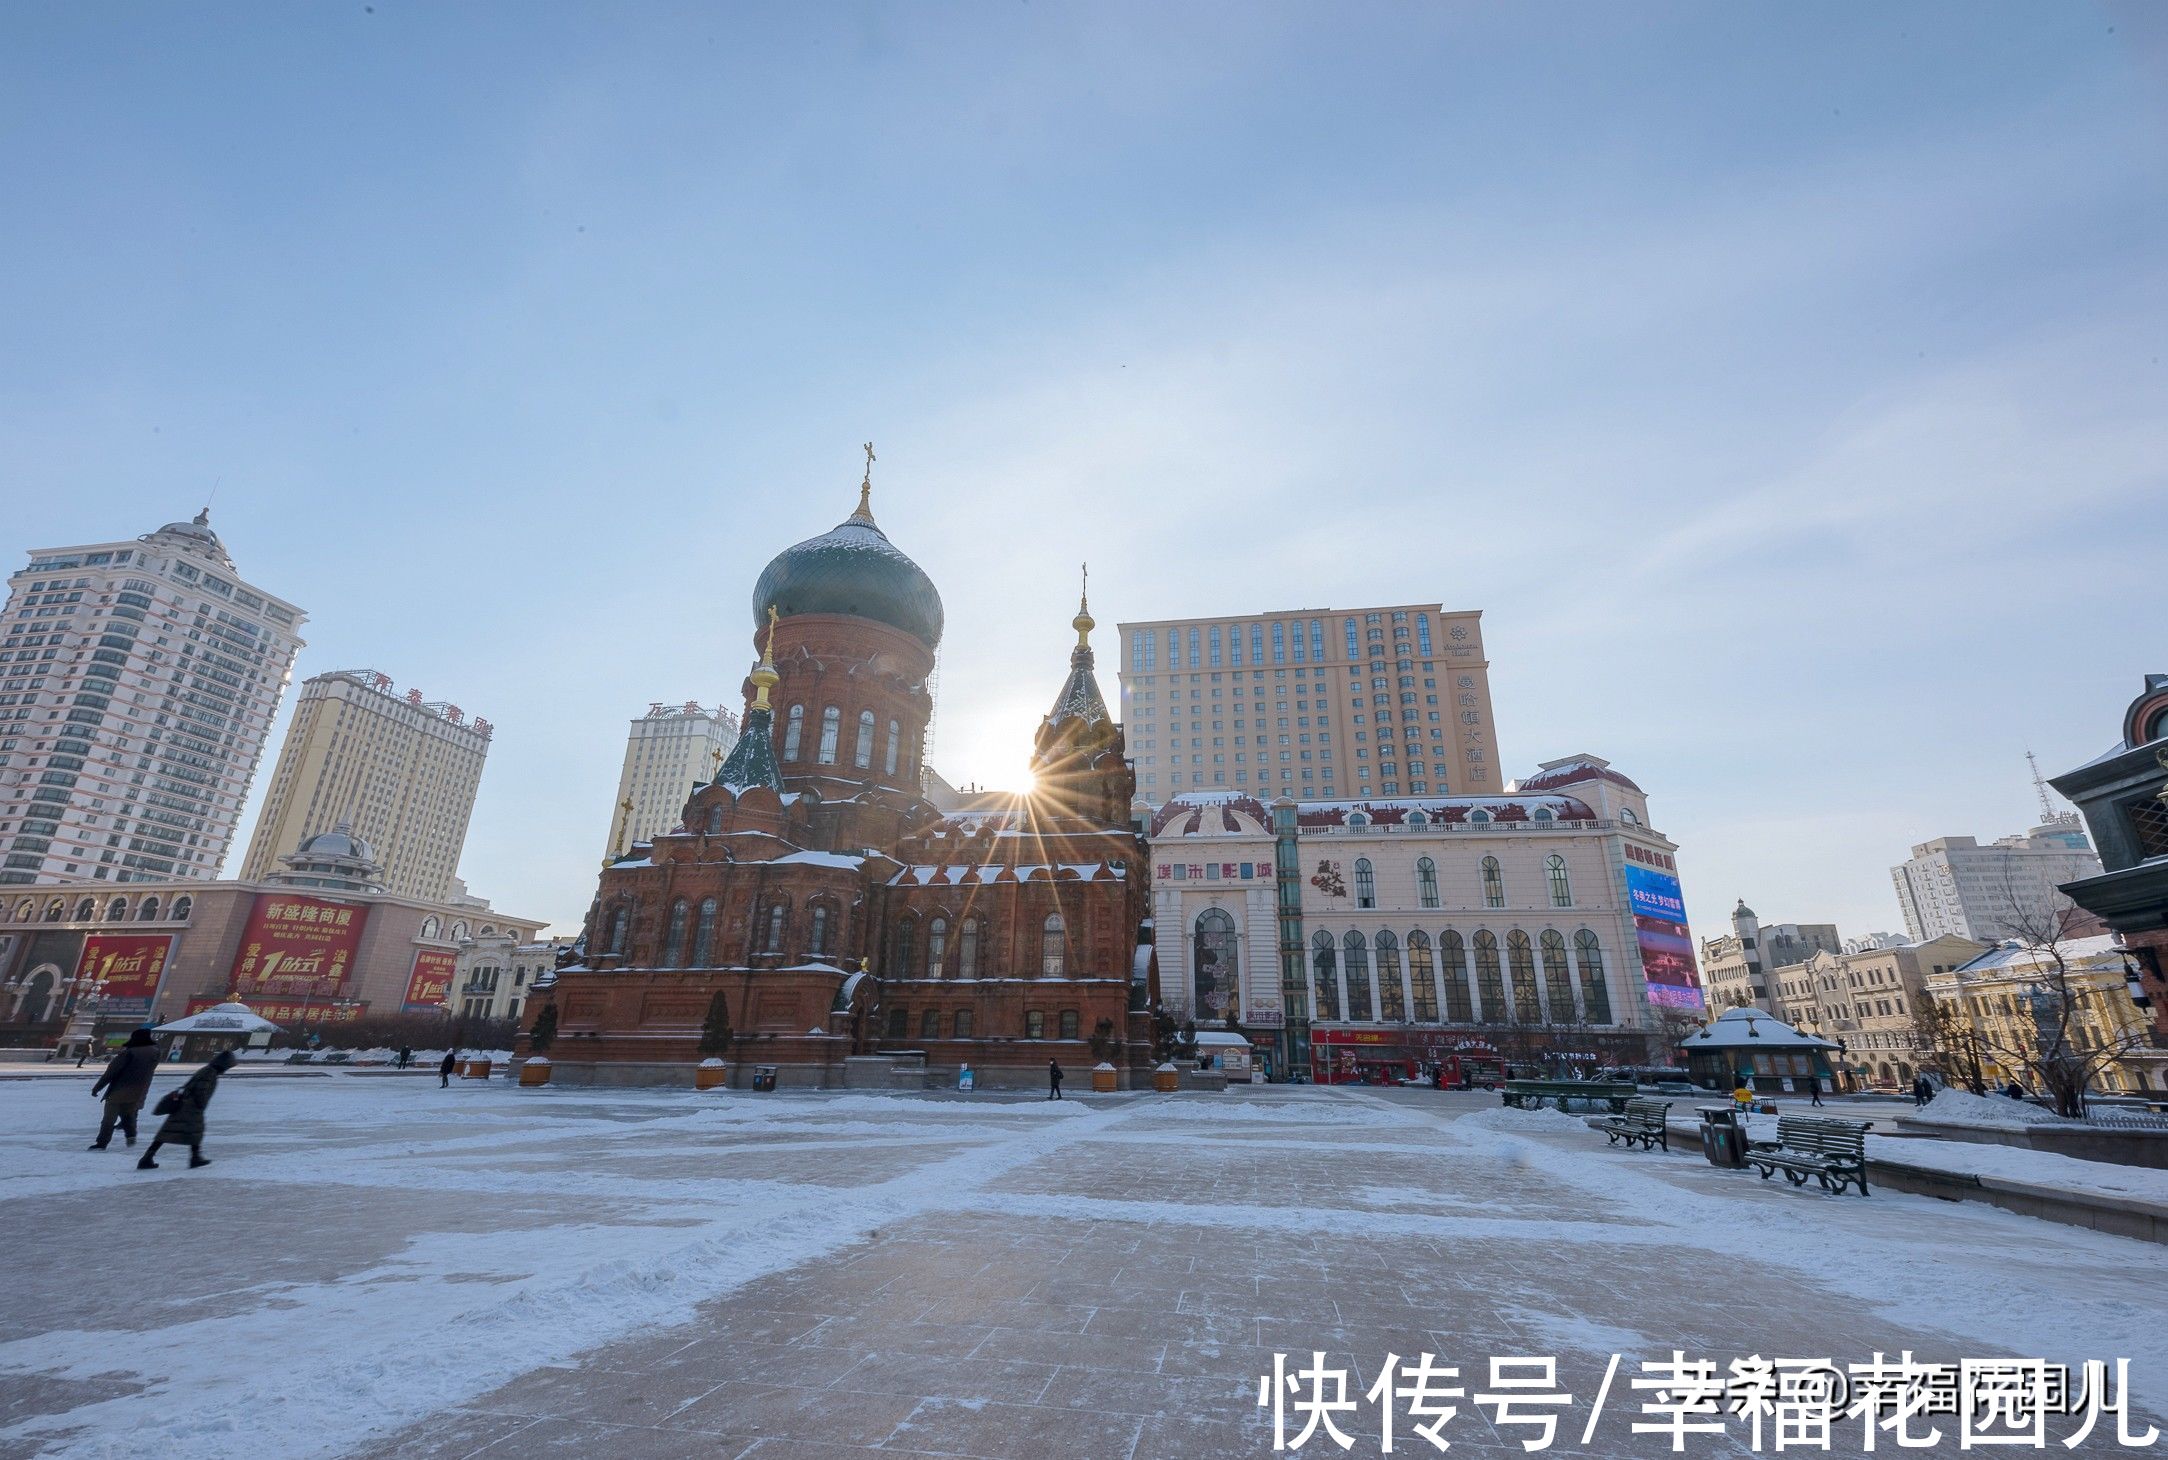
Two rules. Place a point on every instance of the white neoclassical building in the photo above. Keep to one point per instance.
(1541, 923)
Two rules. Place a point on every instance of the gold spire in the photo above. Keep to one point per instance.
(764, 676)
(865, 487)
(1084, 623)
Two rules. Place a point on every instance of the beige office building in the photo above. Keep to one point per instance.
(1870, 1002)
(1315, 704)
(401, 769)
(668, 751)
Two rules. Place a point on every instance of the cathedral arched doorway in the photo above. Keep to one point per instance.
(1218, 976)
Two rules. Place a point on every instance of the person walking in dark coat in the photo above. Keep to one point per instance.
(1053, 1079)
(444, 1070)
(184, 1118)
(1814, 1089)
(127, 1079)
(406, 1057)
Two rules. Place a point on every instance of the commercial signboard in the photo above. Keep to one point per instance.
(297, 947)
(429, 986)
(289, 1012)
(126, 968)
(1667, 946)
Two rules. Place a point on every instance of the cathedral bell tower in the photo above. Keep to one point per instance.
(1077, 762)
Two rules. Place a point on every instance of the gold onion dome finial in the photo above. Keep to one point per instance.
(865, 488)
(764, 676)
(1084, 623)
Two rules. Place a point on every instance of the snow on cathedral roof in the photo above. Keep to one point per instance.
(973, 875)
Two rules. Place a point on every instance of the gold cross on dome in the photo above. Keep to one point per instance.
(870, 459)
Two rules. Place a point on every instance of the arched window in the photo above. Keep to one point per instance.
(1034, 1024)
(459, 932)
(936, 947)
(85, 909)
(1479, 818)
(895, 740)
(1626, 815)
(906, 948)
(58, 909)
(967, 949)
(1357, 818)
(793, 732)
(1494, 884)
(963, 1023)
(1068, 1025)
(1422, 986)
(1355, 951)
(1366, 884)
(1561, 889)
(929, 1024)
(25, 908)
(1557, 978)
(1453, 966)
(1053, 947)
(1327, 975)
(431, 927)
(620, 926)
(1521, 968)
(1543, 813)
(182, 907)
(147, 910)
(715, 819)
(1417, 818)
(862, 753)
(777, 917)
(1426, 881)
(673, 941)
(1217, 978)
(1595, 990)
(1490, 985)
(823, 923)
(1392, 1001)
(704, 935)
(831, 729)
(116, 911)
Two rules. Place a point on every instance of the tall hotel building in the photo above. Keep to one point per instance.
(1313, 705)
(138, 680)
(399, 770)
(668, 751)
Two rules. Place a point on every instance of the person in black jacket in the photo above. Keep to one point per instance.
(127, 1079)
(1053, 1079)
(444, 1070)
(184, 1118)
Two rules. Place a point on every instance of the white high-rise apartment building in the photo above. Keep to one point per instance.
(1320, 703)
(1953, 886)
(668, 751)
(401, 770)
(138, 681)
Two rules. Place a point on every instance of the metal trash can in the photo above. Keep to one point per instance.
(764, 1077)
(1723, 1136)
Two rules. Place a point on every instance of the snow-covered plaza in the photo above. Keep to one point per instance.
(376, 1266)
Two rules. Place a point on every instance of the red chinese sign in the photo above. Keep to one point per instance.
(289, 1011)
(125, 967)
(430, 985)
(295, 946)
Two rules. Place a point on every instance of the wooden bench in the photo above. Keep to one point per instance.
(1833, 1152)
(1643, 1122)
(1535, 1094)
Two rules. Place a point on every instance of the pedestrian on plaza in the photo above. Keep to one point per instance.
(406, 1055)
(1053, 1079)
(2014, 1090)
(183, 1110)
(127, 1079)
(83, 1057)
(444, 1070)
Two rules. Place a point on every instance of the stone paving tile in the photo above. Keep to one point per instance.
(843, 1416)
(453, 1435)
(997, 1431)
(933, 1376)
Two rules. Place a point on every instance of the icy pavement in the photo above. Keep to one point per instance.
(380, 1267)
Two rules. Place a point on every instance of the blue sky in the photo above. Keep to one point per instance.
(1784, 383)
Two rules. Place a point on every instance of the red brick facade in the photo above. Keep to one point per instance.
(841, 915)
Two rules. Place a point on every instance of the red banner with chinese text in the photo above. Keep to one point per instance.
(125, 967)
(430, 985)
(297, 946)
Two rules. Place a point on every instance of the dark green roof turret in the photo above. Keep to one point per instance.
(852, 569)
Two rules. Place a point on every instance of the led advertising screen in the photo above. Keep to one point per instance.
(1667, 947)
(125, 969)
(297, 947)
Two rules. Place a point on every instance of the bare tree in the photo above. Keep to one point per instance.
(2063, 1032)
(1951, 1041)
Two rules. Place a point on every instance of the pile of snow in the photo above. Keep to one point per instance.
(2016, 1163)
(1515, 1118)
(1983, 1112)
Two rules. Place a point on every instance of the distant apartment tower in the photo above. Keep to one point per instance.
(401, 769)
(138, 681)
(1320, 704)
(668, 751)
(1954, 887)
